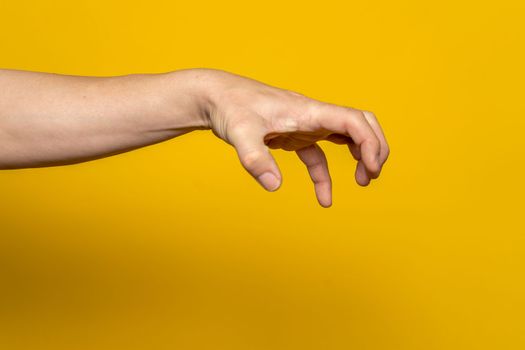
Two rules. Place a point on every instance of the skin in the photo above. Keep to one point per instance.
(50, 119)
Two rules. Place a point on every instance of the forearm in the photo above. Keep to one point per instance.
(49, 119)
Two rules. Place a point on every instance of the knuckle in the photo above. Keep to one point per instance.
(354, 114)
(369, 114)
(238, 127)
(311, 113)
(354, 121)
(251, 159)
(387, 152)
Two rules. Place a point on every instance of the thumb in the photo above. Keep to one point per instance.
(248, 140)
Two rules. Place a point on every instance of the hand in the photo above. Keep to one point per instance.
(253, 117)
(50, 119)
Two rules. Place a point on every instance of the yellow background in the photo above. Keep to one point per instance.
(175, 247)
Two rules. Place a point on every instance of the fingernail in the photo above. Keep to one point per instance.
(269, 181)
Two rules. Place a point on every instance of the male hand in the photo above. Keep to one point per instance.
(50, 119)
(253, 117)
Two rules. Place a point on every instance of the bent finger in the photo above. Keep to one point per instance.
(315, 160)
(248, 140)
(385, 149)
(351, 122)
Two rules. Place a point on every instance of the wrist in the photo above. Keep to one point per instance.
(190, 92)
(166, 104)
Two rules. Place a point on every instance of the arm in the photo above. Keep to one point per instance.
(50, 119)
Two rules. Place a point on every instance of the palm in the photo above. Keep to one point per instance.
(297, 140)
